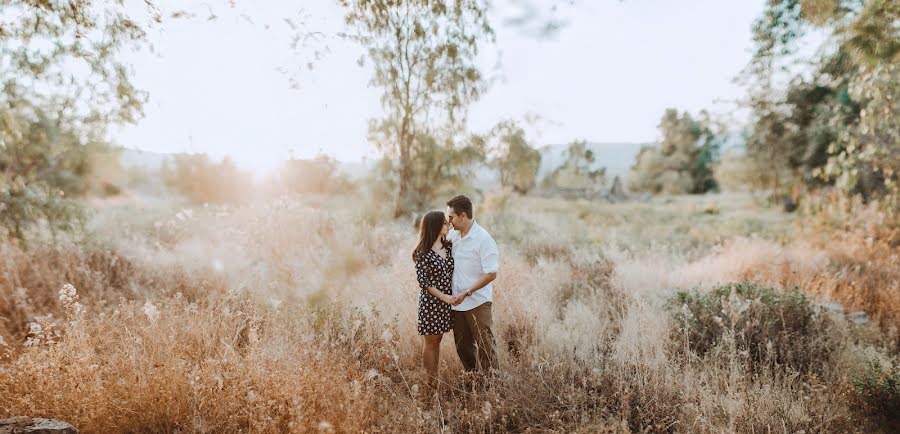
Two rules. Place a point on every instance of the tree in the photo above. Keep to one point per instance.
(442, 164)
(832, 128)
(682, 162)
(517, 161)
(63, 83)
(423, 53)
(575, 174)
(61, 54)
(866, 156)
(40, 164)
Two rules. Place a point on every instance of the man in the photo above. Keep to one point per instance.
(477, 262)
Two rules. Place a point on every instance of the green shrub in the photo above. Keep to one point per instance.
(877, 383)
(768, 325)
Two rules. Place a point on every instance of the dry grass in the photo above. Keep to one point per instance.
(298, 316)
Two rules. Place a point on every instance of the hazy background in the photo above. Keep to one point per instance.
(223, 86)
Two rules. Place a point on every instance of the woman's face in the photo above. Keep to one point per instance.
(445, 229)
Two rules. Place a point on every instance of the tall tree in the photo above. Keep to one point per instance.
(63, 82)
(440, 164)
(517, 161)
(575, 174)
(832, 125)
(682, 162)
(423, 53)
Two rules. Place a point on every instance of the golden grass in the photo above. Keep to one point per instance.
(298, 316)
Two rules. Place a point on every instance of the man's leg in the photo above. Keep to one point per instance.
(482, 325)
(464, 339)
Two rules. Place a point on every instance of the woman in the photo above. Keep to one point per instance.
(434, 271)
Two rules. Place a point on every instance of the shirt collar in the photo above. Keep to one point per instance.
(473, 231)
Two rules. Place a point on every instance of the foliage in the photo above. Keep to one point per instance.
(64, 53)
(442, 164)
(44, 162)
(877, 381)
(833, 126)
(202, 180)
(682, 162)
(576, 172)
(317, 175)
(517, 161)
(769, 324)
(866, 155)
(423, 53)
(736, 171)
(63, 83)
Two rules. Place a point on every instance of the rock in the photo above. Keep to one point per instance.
(789, 204)
(617, 192)
(834, 307)
(711, 208)
(28, 425)
(858, 317)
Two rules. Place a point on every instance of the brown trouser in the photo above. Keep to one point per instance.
(474, 338)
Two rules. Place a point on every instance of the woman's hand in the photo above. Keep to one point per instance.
(446, 298)
(459, 298)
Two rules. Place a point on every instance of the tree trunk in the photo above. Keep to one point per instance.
(402, 206)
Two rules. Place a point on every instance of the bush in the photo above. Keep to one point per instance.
(202, 180)
(738, 172)
(317, 175)
(45, 160)
(768, 325)
(877, 383)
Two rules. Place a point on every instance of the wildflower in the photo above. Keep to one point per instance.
(325, 426)
(151, 311)
(67, 294)
(34, 329)
(371, 374)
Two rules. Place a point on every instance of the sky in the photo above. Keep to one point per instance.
(233, 86)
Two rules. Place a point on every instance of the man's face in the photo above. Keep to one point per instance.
(452, 218)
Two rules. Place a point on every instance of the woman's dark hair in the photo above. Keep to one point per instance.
(429, 231)
(461, 204)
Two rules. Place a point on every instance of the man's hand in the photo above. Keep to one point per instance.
(459, 298)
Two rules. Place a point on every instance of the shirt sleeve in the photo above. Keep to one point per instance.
(489, 255)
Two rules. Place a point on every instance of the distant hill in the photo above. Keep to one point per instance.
(616, 157)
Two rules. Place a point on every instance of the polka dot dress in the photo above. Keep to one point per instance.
(434, 271)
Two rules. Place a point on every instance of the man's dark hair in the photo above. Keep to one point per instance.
(461, 204)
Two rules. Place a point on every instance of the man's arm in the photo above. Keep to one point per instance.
(490, 263)
(481, 283)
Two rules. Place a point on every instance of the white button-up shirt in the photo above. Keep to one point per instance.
(474, 256)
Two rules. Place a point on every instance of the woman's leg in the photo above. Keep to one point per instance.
(430, 355)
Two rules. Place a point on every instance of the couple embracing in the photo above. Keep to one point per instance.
(456, 260)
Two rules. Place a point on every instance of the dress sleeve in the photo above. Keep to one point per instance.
(423, 273)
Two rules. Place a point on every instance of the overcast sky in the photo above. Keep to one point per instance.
(222, 86)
